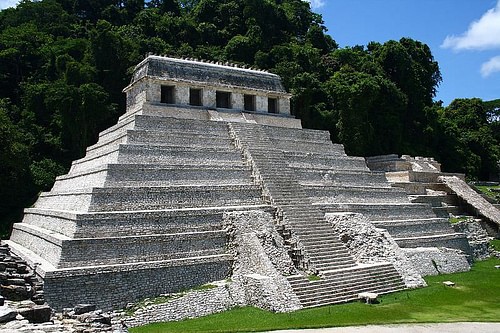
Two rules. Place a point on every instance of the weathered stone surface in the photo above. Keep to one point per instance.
(37, 313)
(7, 314)
(477, 236)
(15, 292)
(368, 244)
(257, 278)
(261, 261)
(483, 207)
(83, 308)
(434, 261)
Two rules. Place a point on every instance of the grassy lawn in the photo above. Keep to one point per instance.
(476, 297)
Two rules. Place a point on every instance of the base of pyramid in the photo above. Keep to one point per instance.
(114, 286)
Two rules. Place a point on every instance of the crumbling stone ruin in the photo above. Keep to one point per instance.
(447, 193)
(207, 177)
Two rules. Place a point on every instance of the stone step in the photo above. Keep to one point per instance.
(153, 175)
(179, 125)
(412, 227)
(172, 175)
(105, 156)
(317, 161)
(327, 176)
(117, 129)
(177, 139)
(332, 255)
(287, 202)
(422, 188)
(62, 252)
(350, 295)
(150, 153)
(307, 221)
(436, 200)
(446, 211)
(306, 227)
(304, 146)
(315, 238)
(325, 249)
(105, 145)
(451, 240)
(380, 212)
(298, 134)
(148, 198)
(325, 262)
(130, 223)
(346, 285)
(344, 274)
(332, 246)
(333, 265)
(355, 194)
(183, 155)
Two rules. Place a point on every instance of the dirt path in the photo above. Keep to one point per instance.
(408, 328)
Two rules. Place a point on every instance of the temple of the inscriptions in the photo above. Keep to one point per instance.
(208, 177)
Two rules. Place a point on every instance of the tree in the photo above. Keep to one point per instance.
(14, 171)
(411, 66)
(466, 122)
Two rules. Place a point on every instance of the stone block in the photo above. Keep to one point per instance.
(37, 313)
(83, 308)
(15, 293)
(7, 314)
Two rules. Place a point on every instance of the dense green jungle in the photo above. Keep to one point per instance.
(64, 63)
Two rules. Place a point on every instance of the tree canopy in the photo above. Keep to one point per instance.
(64, 63)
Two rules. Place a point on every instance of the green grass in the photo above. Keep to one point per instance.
(163, 299)
(458, 219)
(148, 301)
(488, 190)
(313, 277)
(474, 298)
(496, 244)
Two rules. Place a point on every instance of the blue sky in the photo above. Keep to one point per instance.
(464, 36)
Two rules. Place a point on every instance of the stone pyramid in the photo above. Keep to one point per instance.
(142, 213)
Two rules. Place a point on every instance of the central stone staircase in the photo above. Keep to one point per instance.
(314, 247)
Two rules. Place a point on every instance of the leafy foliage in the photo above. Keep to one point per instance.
(64, 63)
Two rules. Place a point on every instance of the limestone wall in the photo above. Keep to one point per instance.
(123, 286)
(434, 261)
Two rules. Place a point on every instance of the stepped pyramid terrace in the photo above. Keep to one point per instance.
(207, 177)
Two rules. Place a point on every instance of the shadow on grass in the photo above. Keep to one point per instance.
(475, 297)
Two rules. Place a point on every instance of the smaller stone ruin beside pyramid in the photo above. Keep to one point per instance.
(207, 177)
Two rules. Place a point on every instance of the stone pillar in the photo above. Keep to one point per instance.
(209, 98)
(153, 92)
(237, 101)
(284, 105)
(182, 95)
(261, 103)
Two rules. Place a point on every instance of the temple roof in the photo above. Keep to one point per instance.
(172, 69)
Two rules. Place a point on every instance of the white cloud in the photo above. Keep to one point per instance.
(491, 66)
(318, 3)
(8, 3)
(481, 35)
